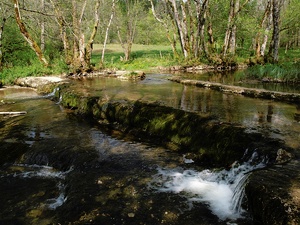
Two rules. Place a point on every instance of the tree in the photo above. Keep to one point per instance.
(74, 25)
(230, 35)
(264, 27)
(187, 19)
(165, 21)
(129, 12)
(276, 29)
(4, 11)
(113, 8)
(33, 44)
(290, 26)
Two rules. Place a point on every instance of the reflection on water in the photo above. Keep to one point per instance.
(274, 119)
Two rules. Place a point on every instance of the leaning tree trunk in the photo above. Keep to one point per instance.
(27, 36)
(113, 9)
(229, 28)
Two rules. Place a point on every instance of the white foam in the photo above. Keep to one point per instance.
(44, 172)
(222, 191)
(54, 203)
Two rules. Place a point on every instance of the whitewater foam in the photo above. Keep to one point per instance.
(222, 191)
(44, 172)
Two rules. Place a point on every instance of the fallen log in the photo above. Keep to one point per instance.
(13, 113)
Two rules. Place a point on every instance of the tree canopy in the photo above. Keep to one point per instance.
(201, 31)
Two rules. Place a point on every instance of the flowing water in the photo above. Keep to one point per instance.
(56, 169)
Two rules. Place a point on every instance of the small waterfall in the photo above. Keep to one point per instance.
(52, 94)
(239, 194)
(223, 191)
(26, 171)
(59, 100)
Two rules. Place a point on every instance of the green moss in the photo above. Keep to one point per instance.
(212, 142)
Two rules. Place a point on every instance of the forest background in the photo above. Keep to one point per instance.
(39, 37)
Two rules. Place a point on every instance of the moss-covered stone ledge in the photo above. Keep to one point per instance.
(210, 141)
(249, 92)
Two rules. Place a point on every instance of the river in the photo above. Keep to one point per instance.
(58, 169)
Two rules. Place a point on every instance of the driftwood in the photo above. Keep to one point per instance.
(13, 113)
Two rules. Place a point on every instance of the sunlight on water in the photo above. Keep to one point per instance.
(222, 191)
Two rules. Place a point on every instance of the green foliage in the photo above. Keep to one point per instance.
(285, 71)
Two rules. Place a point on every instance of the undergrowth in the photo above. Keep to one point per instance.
(287, 71)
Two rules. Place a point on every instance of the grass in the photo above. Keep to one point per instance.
(288, 68)
(143, 57)
(287, 71)
(35, 68)
(146, 58)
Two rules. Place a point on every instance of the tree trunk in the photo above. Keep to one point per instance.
(89, 47)
(229, 28)
(170, 35)
(43, 27)
(1, 37)
(276, 18)
(232, 40)
(27, 36)
(265, 22)
(230, 35)
(63, 33)
(265, 37)
(179, 27)
(76, 64)
(113, 9)
(201, 17)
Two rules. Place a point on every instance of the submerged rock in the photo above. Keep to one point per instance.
(273, 195)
